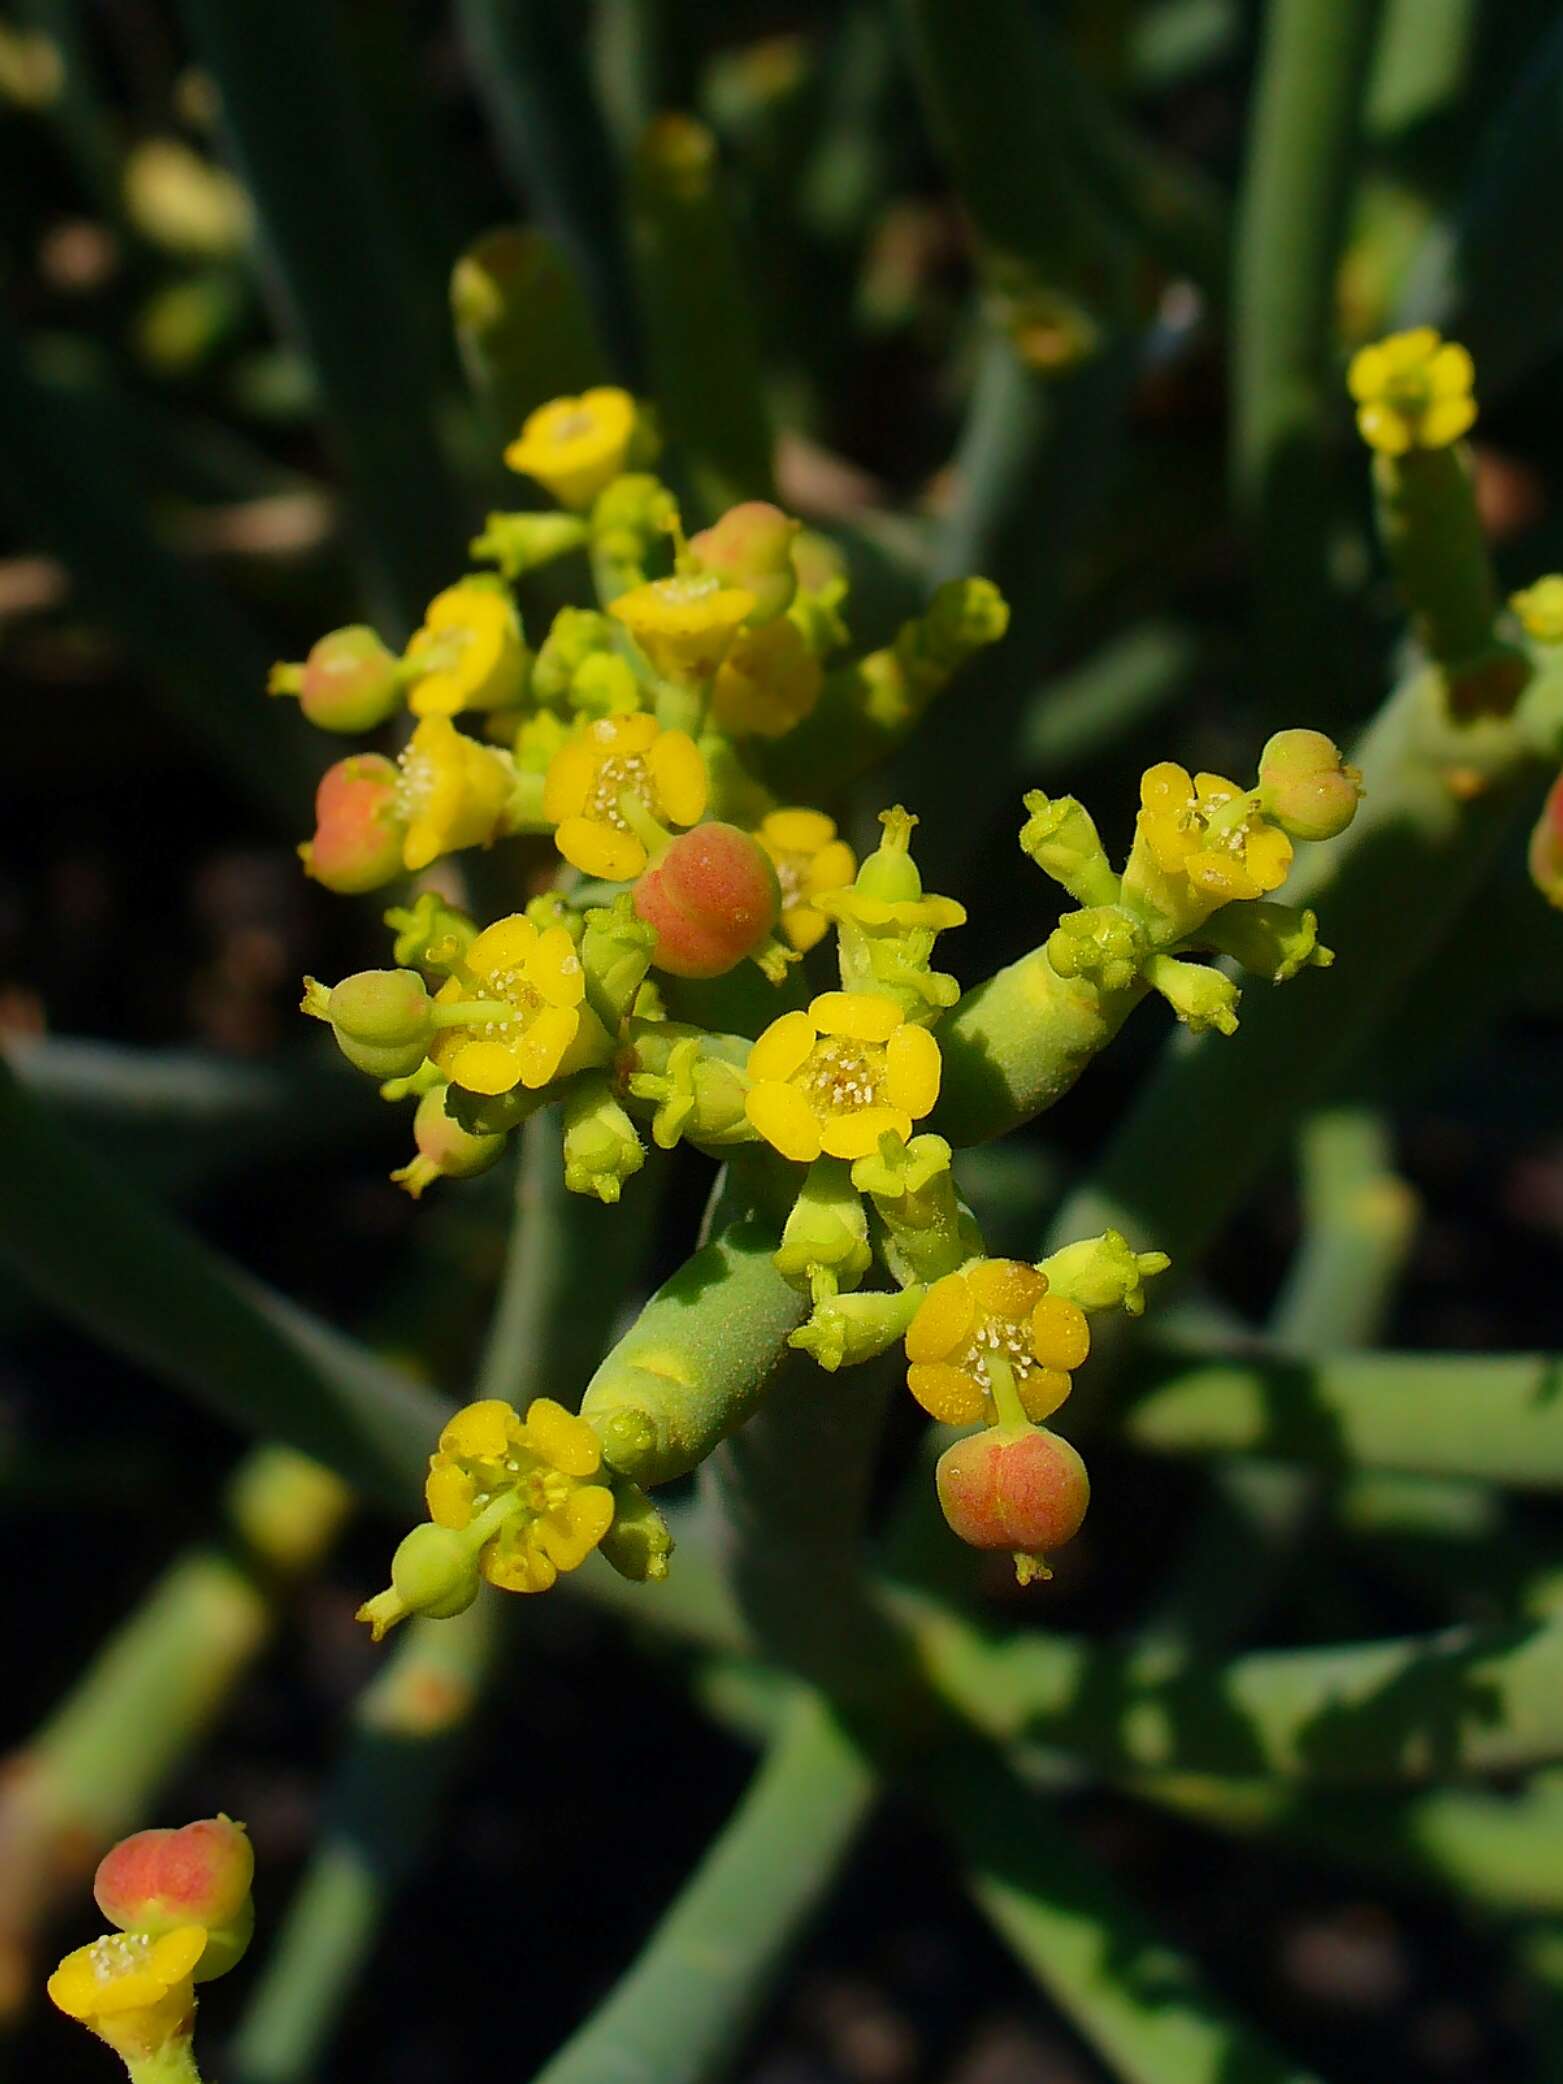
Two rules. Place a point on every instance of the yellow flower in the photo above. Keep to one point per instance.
(1208, 830)
(133, 1990)
(531, 1476)
(620, 773)
(768, 682)
(685, 625)
(527, 1021)
(809, 861)
(1413, 391)
(451, 792)
(469, 652)
(575, 446)
(1540, 609)
(993, 1307)
(837, 1078)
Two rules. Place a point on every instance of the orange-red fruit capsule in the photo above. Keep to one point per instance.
(1013, 1487)
(711, 897)
(358, 826)
(156, 1881)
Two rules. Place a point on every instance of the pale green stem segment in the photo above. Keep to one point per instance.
(1465, 1702)
(704, 348)
(1359, 1221)
(1496, 1417)
(137, 1280)
(1138, 2001)
(408, 1738)
(153, 1690)
(1313, 74)
(679, 2012)
(1432, 534)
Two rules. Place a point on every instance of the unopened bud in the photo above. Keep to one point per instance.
(638, 1543)
(601, 1148)
(1103, 1273)
(1306, 787)
(359, 828)
(381, 1019)
(712, 898)
(349, 682)
(751, 547)
(1014, 1487)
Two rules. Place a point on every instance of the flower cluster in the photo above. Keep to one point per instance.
(697, 954)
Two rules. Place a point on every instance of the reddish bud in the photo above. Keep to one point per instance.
(350, 681)
(155, 1881)
(711, 897)
(1013, 1487)
(1546, 846)
(358, 828)
(751, 547)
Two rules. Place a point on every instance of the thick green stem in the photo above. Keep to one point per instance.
(1314, 70)
(680, 2010)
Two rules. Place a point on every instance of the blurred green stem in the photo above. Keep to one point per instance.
(704, 349)
(304, 147)
(678, 2013)
(407, 1741)
(1315, 63)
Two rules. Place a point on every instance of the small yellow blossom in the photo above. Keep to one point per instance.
(685, 625)
(1540, 609)
(451, 792)
(990, 1308)
(1208, 830)
(575, 446)
(767, 683)
(837, 1078)
(1413, 391)
(809, 861)
(132, 1989)
(621, 772)
(532, 1476)
(469, 653)
(527, 1021)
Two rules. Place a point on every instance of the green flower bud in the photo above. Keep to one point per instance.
(381, 1019)
(1060, 837)
(349, 682)
(824, 1246)
(575, 635)
(1305, 786)
(1103, 1273)
(1202, 998)
(1272, 940)
(695, 1082)
(929, 1231)
(964, 616)
(601, 1149)
(846, 1330)
(435, 1572)
(520, 543)
(604, 685)
(638, 1544)
(431, 935)
(616, 952)
(1103, 944)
